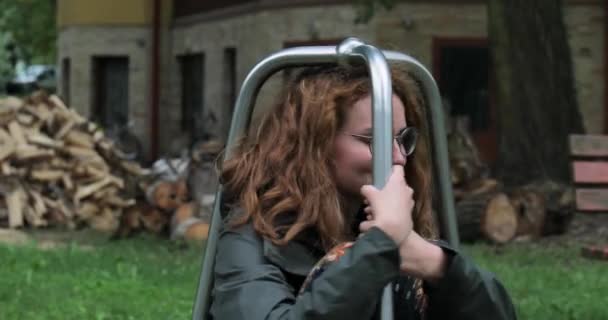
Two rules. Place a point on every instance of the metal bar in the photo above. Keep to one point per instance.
(448, 212)
(242, 113)
(382, 118)
(350, 49)
(240, 119)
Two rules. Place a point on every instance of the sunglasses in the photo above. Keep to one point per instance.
(406, 140)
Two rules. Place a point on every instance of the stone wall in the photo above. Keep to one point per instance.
(81, 44)
(410, 28)
(255, 36)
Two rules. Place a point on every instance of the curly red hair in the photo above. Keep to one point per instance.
(283, 172)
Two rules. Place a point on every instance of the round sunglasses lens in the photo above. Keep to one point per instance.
(408, 141)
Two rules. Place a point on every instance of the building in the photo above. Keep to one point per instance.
(173, 67)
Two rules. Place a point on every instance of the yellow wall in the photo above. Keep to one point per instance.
(109, 12)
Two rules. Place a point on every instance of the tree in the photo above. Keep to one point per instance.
(30, 27)
(535, 96)
(366, 9)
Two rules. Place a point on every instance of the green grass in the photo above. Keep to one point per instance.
(150, 278)
(548, 281)
(144, 278)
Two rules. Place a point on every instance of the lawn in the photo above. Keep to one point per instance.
(549, 281)
(142, 278)
(150, 278)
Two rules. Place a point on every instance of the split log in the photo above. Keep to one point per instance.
(7, 149)
(56, 101)
(87, 210)
(129, 222)
(32, 218)
(106, 221)
(67, 126)
(67, 182)
(154, 220)
(15, 202)
(181, 191)
(531, 212)
(140, 217)
(10, 104)
(25, 152)
(6, 116)
(80, 152)
(163, 194)
(97, 136)
(46, 175)
(133, 168)
(488, 215)
(25, 119)
(44, 141)
(37, 203)
(7, 170)
(185, 224)
(85, 191)
(119, 202)
(79, 139)
(17, 133)
(499, 224)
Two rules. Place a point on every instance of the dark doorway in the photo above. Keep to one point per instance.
(111, 91)
(462, 68)
(65, 80)
(192, 71)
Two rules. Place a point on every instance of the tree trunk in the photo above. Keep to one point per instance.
(535, 94)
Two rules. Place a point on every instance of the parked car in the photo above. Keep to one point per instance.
(31, 78)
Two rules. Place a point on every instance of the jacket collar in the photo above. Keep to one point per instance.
(295, 257)
(298, 256)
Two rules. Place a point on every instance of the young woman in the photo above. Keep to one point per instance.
(302, 186)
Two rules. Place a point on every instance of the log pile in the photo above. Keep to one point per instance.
(57, 168)
(179, 199)
(487, 209)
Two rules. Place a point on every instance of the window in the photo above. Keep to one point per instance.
(110, 91)
(192, 93)
(229, 85)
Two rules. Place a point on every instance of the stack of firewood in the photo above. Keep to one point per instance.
(179, 198)
(487, 209)
(57, 168)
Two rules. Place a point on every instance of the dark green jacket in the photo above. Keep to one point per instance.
(255, 279)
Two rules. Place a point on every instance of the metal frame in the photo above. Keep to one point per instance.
(350, 51)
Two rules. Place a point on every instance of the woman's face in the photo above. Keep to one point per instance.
(352, 156)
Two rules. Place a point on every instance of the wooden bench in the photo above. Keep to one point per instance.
(590, 177)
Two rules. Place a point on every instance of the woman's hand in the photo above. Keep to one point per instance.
(390, 209)
(422, 259)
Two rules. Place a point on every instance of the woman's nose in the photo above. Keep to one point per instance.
(398, 157)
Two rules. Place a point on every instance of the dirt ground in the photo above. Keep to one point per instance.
(584, 229)
(53, 238)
